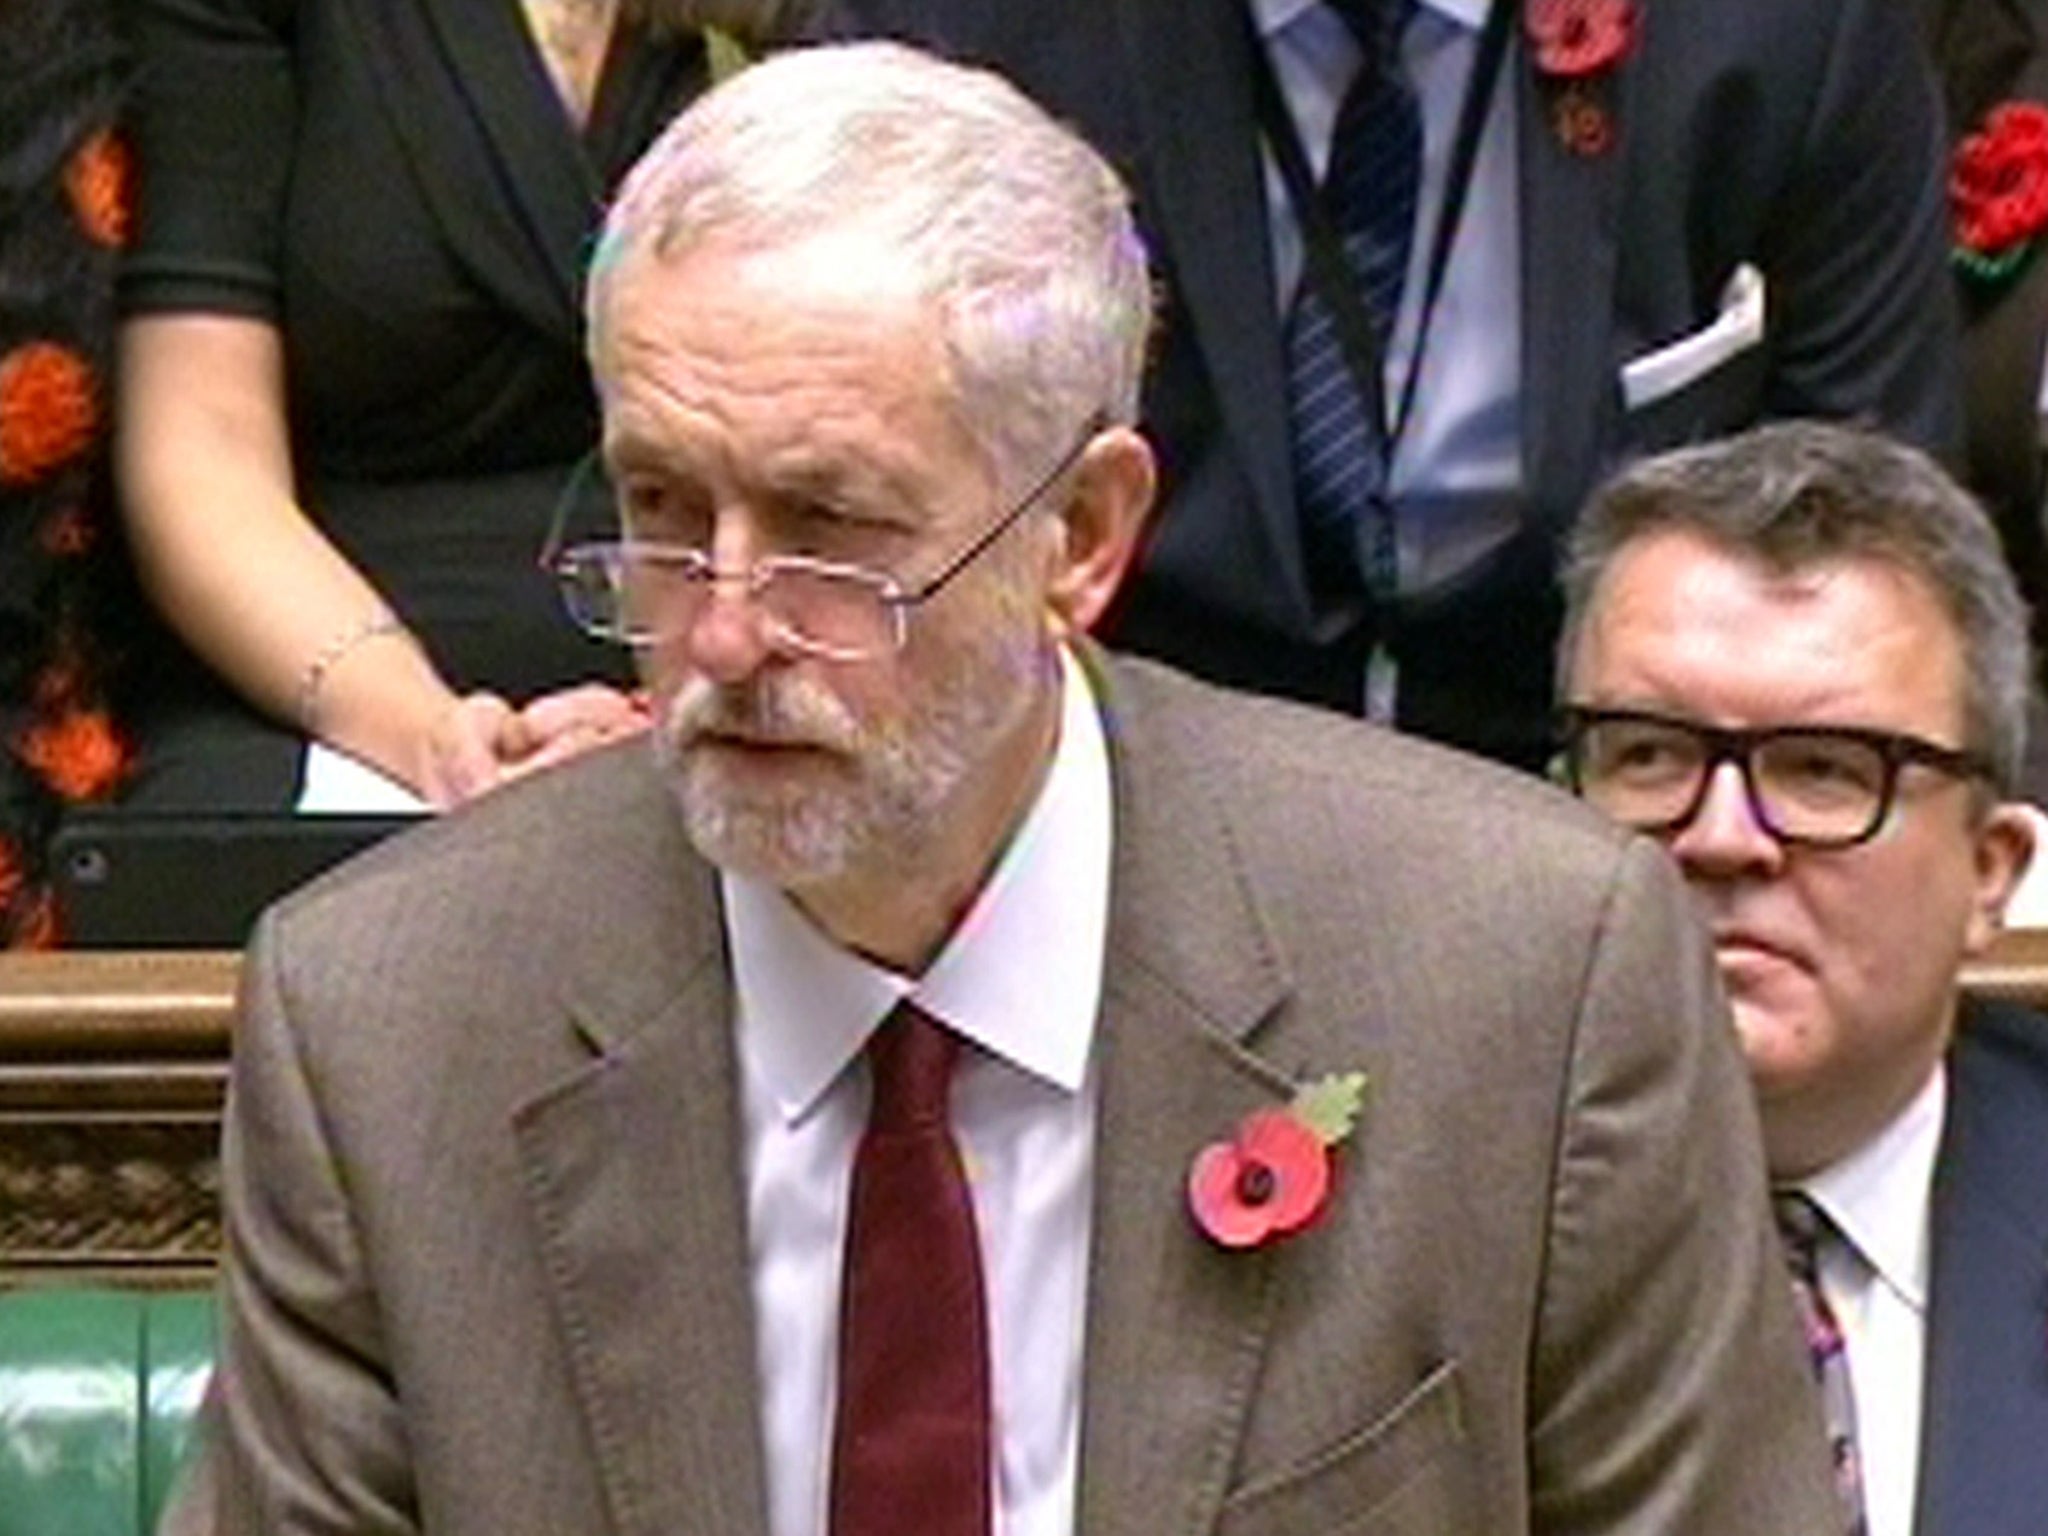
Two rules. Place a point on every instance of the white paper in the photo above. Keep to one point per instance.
(336, 784)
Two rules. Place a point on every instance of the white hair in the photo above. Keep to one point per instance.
(1016, 231)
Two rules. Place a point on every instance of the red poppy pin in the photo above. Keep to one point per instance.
(1998, 193)
(1273, 1177)
(1576, 44)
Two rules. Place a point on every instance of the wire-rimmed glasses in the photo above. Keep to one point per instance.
(1808, 785)
(639, 592)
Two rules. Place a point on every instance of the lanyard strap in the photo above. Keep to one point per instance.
(1324, 262)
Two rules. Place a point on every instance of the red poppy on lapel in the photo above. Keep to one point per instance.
(1577, 38)
(1998, 192)
(1273, 1176)
(1576, 44)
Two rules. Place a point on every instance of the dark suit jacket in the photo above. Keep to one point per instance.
(487, 1258)
(1984, 1415)
(1988, 52)
(1802, 136)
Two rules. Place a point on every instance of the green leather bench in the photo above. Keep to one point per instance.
(97, 1393)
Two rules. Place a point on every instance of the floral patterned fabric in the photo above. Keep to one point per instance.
(65, 598)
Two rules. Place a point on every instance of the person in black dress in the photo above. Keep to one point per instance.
(353, 388)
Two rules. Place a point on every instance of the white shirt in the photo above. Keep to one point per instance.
(1021, 978)
(1879, 1198)
(1457, 471)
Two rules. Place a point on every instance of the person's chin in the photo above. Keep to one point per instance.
(787, 840)
(1782, 1030)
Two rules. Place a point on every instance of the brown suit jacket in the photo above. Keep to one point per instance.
(487, 1253)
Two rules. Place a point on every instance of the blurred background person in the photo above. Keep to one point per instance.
(1563, 231)
(352, 388)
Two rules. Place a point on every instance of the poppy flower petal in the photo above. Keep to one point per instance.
(1215, 1197)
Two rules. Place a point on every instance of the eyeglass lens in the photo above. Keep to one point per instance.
(639, 594)
(1809, 786)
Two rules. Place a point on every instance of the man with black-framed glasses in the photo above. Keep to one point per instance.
(1797, 657)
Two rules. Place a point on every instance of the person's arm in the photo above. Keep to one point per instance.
(301, 1429)
(204, 460)
(1669, 1387)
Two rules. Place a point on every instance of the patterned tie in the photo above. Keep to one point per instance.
(1801, 1225)
(1369, 192)
(910, 1449)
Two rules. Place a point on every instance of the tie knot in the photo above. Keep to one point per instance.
(910, 1057)
(1801, 1224)
(1376, 24)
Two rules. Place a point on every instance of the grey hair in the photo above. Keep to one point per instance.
(1795, 494)
(1016, 231)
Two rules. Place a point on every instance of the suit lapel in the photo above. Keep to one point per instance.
(1176, 1326)
(633, 1173)
(1203, 170)
(469, 99)
(1984, 1406)
(1569, 208)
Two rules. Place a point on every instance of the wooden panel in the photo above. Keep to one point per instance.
(2016, 968)
(113, 1067)
(112, 1073)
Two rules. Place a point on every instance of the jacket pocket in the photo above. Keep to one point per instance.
(1707, 382)
(1339, 1488)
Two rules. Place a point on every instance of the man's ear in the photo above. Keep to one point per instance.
(1100, 527)
(2004, 849)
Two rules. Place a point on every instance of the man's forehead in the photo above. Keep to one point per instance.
(834, 265)
(1851, 635)
(1658, 561)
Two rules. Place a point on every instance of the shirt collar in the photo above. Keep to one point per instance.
(1273, 17)
(806, 1006)
(1878, 1196)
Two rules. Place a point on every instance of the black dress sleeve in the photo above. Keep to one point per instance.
(213, 119)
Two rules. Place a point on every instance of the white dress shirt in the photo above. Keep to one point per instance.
(1875, 1280)
(1021, 978)
(1457, 471)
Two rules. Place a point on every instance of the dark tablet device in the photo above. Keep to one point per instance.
(129, 880)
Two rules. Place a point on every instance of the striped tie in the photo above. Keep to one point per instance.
(1801, 1226)
(1369, 192)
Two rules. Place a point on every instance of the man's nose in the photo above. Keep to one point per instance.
(1725, 836)
(729, 636)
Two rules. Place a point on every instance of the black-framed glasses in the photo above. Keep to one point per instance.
(638, 592)
(1808, 786)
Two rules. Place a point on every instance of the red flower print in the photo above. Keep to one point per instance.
(79, 754)
(49, 409)
(100, 181)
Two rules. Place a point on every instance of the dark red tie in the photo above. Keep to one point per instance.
(910, 1445)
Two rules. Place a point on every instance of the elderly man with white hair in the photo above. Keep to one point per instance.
(956, 1081)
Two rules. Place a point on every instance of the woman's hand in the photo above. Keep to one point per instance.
(481, 741)
(557, 726)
